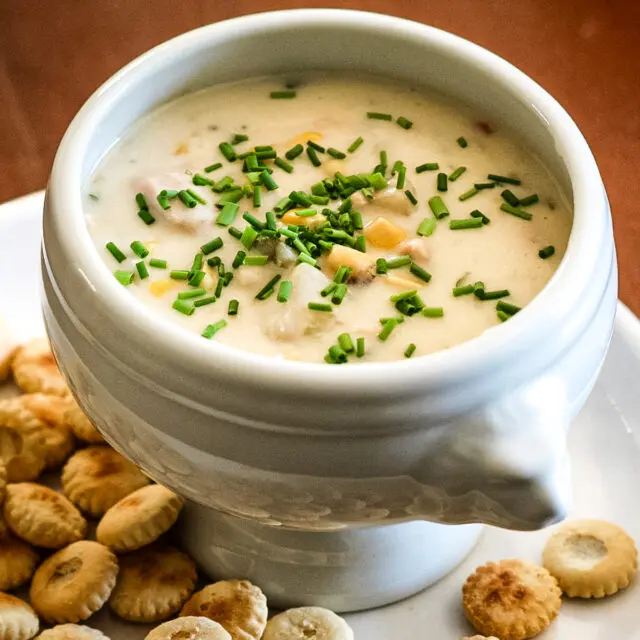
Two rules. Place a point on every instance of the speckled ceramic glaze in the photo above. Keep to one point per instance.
(472, 434)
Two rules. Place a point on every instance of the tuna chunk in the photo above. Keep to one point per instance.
(292, 320)
(418, 248)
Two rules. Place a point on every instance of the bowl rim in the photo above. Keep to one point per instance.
(467, 359)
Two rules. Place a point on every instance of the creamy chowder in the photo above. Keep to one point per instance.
(327, 220)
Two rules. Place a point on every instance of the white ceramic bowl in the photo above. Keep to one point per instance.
(472, 434)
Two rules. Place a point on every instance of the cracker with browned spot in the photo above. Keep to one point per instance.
(591, 558)
(191, 627)
(97, 477)
(511, 599)
(35, 369)
(239, 606)
(18, 561)
(139, 519)
(76, 419)
(42, 516)
(74, 583)
(153, 584)
(72, 632)
(18, 620)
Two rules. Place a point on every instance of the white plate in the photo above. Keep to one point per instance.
(604, 443)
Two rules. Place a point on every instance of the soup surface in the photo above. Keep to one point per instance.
(341, 220)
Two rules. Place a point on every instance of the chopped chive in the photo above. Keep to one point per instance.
(204, 301)
(478, 214)
(239, 259)
(115, 252)
(249, 236)
(346, 343)
(179, 274)
(502, 316)
(418, 271)
(492, 295)
(163, 200)
(409, 351)
(381, 266)
(356, 220)
(465, 223)
(462, 142)
(484, 185)
(427, 166)
(306, 213)
(223, 184)
(268, 181)
(432, 312)
(212, 329)
(255, 261)
(378, 181)
(396, 263)
(294, 152)
(146, 217)
(183, 306)
(219, 285)
(270, 221)
(213, 167)
(139, 249)
(227, 151)
(141, 267)
(397, 320)
(258, 225)
(427, 227)
(267, 290)
(463, 291)
(156, 263)
(442, 182)
(316, 146)
(124, 277)
(360, 348)
(529, 200)
(141, 201)
(313, 156)
(337, 355)
(266, 154)
(320, 306)
(514, 211)
(227, 278)
(306, 258)
(211, 246)
(283, 95)
(510, 197)
(468, 194)
(337, 154)
(199, 199)
(330, 288)
(402, 172)
(233, 307)
(478, 289)
(457, 173)
(339, 293)
(321, 200)
(193, 293)
(284, 291)
(387, 327)
(547, 252)
(195, 278)
(374, 115)
(198, 259)
(227, 214)
(504, 179)
(438, 207)
(234, 232)
(361, 244)
(410, 197)
(384, 161)
(232, 195)
(355, 144)
(202, 181)
(238, 138)
(283, 164)
(405, 123)
(507, 307)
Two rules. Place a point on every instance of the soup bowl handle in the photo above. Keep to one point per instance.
(504, 464)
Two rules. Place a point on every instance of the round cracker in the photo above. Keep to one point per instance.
(18, 561)
(189, 627)
(18, 620)
(6, 360)
(140, 518)
(79, 423)
(511, 599)
(307, 622)
(153, 584)
(72, 632)
(35, 369)
(3, 481)
(38, 419)
(591, 558)
(22, 457)
(239, 606)
(74, 583)
(97, 477)
(42, 516)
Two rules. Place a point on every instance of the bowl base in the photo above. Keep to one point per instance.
(346, 570)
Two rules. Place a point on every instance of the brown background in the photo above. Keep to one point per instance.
(53, 54)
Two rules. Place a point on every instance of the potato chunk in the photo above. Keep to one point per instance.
(362, 264)
(384, 234)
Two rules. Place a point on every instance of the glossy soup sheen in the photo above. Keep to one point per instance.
(167, 148)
